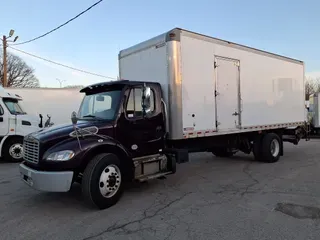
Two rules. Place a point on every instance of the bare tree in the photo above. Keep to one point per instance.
(19, 73)
(316, 85)
(309, 88)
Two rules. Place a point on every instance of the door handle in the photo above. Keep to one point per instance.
(235, 114)
(1, 119)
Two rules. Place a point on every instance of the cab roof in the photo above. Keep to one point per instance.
(4, 94)
(118, 84)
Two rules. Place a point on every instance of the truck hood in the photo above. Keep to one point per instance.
(61, 132)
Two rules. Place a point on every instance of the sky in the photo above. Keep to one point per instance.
(92, 42)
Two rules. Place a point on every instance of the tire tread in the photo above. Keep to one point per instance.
(87, 178)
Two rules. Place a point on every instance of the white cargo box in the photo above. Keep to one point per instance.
(214, 87)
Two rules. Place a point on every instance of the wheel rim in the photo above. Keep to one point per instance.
(275, 148)
(16, 151)
(110, 180)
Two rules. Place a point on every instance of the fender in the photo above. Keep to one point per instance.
(108, 146)
(4, 139)
(90, 146)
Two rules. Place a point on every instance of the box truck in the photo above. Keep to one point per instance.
(180, 92)
(25, 110)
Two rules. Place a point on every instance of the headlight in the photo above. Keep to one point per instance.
(61, 156)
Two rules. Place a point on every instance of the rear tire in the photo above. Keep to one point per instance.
(270, 148)
(102, 181)
(257, 147)
(13, 150)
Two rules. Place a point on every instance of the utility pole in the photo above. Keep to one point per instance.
(60, 81)
(5, 45)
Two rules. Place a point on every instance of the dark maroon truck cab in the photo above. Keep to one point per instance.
(119, 136)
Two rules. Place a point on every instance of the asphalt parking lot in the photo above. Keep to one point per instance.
(208, 198)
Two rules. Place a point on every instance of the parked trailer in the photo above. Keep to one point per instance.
(55, 102)
(314, 113)
(187, 93)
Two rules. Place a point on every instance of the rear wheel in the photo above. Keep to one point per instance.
(268, 148)
(13, 150)
(257, 147)
(102, 181)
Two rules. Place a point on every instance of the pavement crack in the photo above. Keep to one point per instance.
(246, 171)
(115, 226)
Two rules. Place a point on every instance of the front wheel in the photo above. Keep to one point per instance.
(13, 150)
(102, 181)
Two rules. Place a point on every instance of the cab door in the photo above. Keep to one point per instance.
(141, 134)
(4, 120)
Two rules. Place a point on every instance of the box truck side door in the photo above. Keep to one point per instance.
(228, 112)
(4, 121)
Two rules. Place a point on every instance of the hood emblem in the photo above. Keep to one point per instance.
(85, 131)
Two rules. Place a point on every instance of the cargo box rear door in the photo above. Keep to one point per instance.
(228, 115)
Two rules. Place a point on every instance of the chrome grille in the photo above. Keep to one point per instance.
(30, 149)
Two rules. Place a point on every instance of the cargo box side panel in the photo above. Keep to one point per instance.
(149, 64)
(198, 100)
(271, 87)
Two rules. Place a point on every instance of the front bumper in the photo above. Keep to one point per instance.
(46, 181)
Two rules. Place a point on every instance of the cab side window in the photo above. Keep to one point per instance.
(134, 104)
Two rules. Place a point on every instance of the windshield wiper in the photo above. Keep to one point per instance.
(92, 116)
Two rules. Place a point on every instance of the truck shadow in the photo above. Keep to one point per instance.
(73, 200)
(203, 164)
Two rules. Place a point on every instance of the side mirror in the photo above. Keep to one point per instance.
(74, 118)
(145, 103)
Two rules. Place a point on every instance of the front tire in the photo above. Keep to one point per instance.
(102, 181)
(13, 150)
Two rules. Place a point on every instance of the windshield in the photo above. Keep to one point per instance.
(101, 106)
(13, 106)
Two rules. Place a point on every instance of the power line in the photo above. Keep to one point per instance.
(43, 35)
(62, 65)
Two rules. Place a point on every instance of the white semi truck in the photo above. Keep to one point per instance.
(180, 92)
(26, 110)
